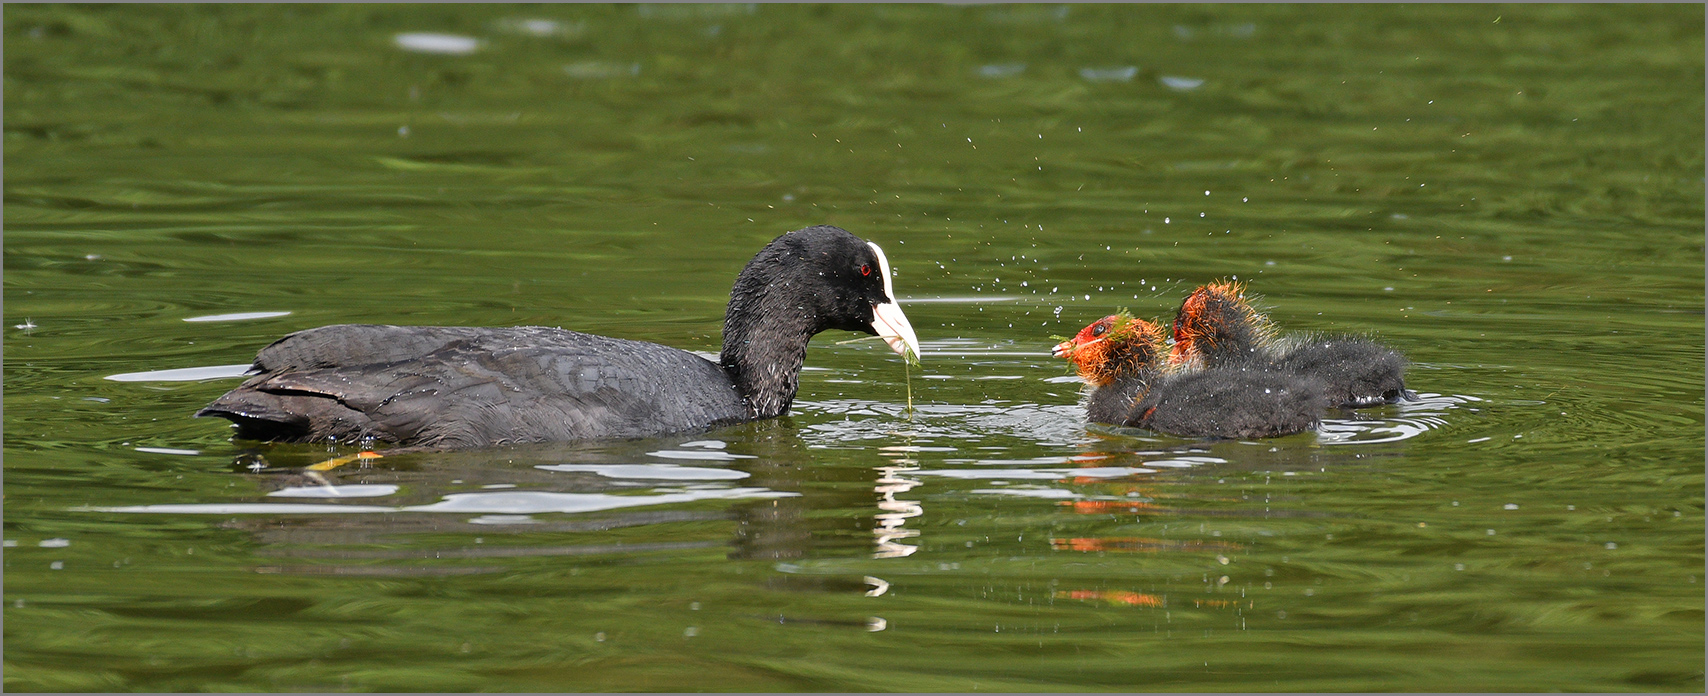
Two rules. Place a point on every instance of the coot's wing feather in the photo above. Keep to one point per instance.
(481, 387)
(561, 385)
(358, 344)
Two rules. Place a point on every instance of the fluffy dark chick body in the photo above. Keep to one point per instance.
(1217, 328)
(1133, 385)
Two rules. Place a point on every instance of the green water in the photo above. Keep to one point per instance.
(1511, 195)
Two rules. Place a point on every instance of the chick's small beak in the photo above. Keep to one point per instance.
(1065, 349)
(892, 326)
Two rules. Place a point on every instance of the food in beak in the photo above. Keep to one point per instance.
(892, 326)
(887, 319)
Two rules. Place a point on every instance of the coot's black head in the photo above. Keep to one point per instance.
(825, 278)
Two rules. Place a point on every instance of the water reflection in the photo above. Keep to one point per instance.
(407, 497)
(331, 491)
(1123, 73)
(1180, 84)
(1028, 492)
(186, 374)
(1136, 599)
(1410, 420)
(1139, 545)
(508, 502)
(599, 70)
(694, 11)
(168, 450)
(894, 513)
(237, 316)
(541, 27)
(441, 44)
(1000, 70)
(705, 455)
(651, 471)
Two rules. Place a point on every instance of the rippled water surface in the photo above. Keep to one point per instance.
(1512, 196)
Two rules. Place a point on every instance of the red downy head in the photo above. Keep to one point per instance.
(1214, 319)
(1111, 347)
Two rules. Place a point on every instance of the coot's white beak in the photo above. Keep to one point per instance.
(887, 319)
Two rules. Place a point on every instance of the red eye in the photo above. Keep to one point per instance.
(865, 269)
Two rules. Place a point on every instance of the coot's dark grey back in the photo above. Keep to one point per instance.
(362, 344)
(472, 387)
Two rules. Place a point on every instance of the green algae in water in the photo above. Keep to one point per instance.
(1516, 206)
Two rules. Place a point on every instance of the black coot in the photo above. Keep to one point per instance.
(456, 387)
(1125, 362)
(1217, 328)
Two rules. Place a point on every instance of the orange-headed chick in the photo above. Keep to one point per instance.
(1122, 359)
(1112, 347)
(1216, 326)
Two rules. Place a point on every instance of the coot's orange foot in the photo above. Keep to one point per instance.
(336, 462)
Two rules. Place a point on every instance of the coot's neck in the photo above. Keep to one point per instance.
(766, 331)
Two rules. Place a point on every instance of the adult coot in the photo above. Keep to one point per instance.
(456, 387)
(1125, 362)
(1217, 327)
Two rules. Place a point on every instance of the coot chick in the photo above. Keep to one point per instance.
(457, 387)
(1217, 327)
(1125, 362)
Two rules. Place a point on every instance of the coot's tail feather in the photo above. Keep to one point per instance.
(288, 416)
(345, 345)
